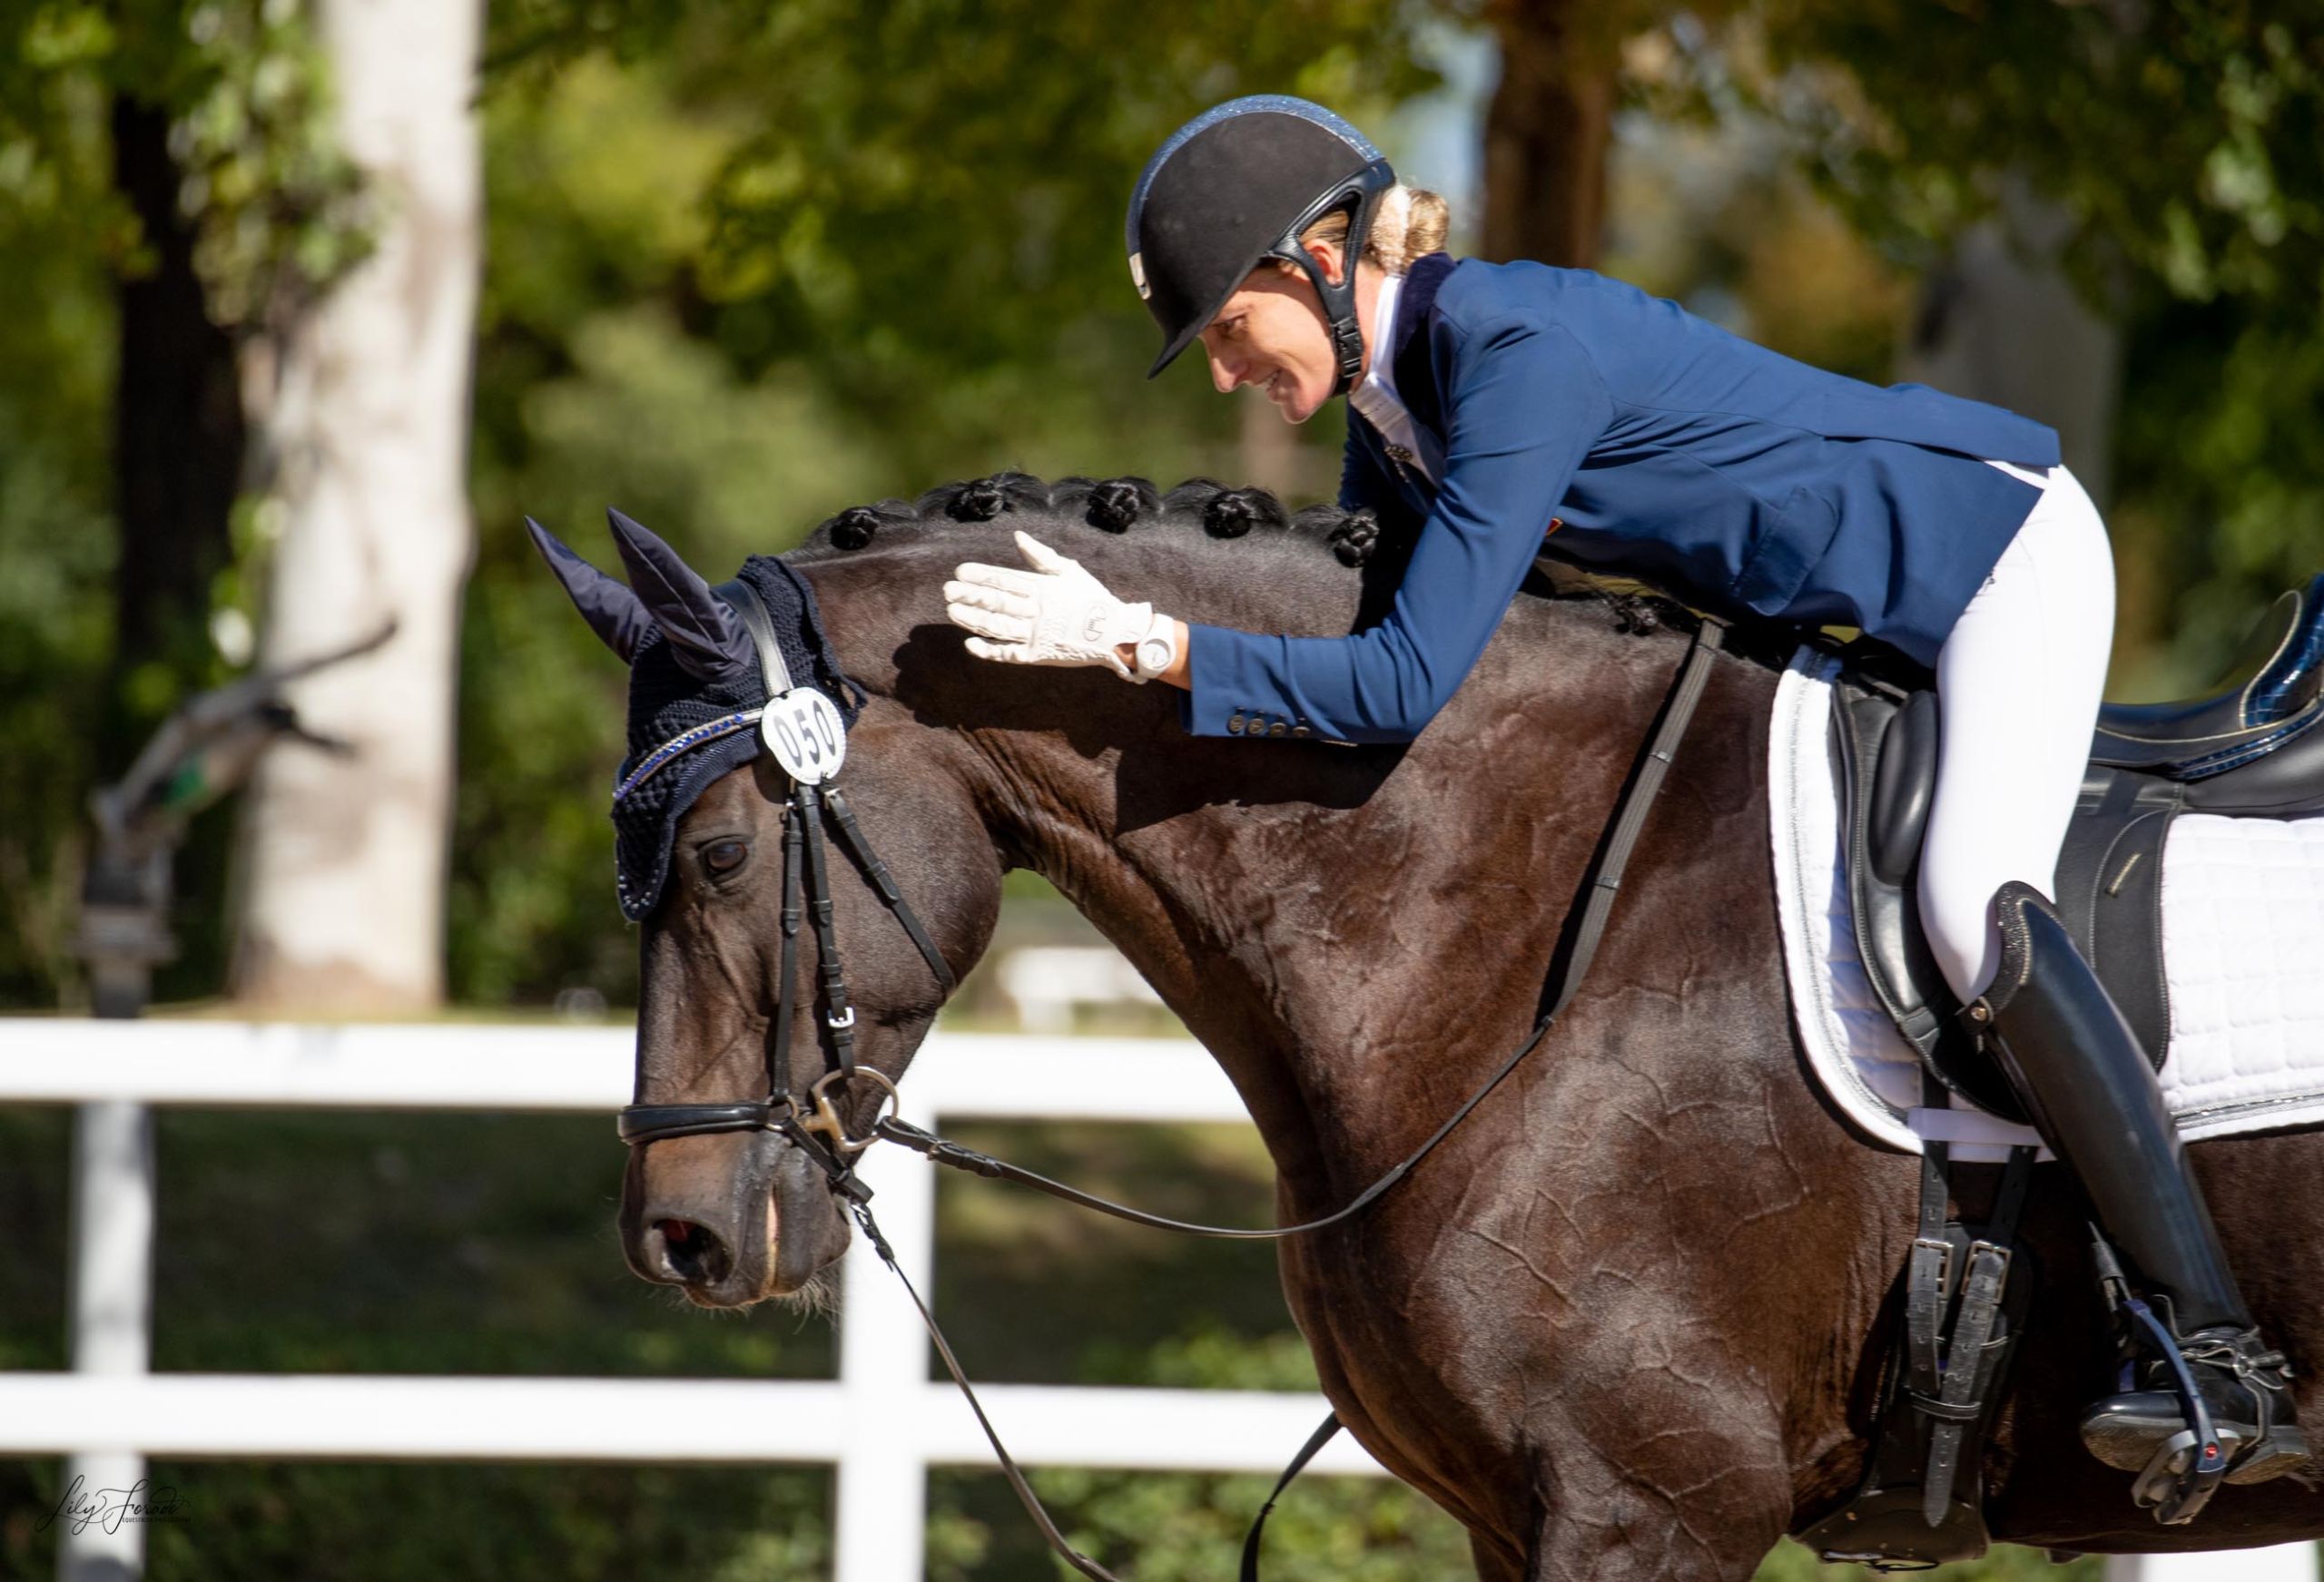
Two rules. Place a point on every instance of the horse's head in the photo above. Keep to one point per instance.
(736, 1212)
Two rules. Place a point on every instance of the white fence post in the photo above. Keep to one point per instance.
(879, 1535)
(112, 1307)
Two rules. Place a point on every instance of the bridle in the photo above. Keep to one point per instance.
(810, 743)
(804, 732)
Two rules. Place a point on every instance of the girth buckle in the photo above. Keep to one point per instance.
(826, 1121)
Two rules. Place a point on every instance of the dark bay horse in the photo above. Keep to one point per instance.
(1625, 1322)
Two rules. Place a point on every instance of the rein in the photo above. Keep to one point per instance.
(818, 1129)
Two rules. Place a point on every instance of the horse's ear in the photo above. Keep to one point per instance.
(613, 612)
(703, 635)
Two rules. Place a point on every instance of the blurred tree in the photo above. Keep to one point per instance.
(1550, 129)
(203, 184)
(162, 153)
(366, 447)
(177, 421)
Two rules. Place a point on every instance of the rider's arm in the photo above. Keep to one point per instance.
(1525, 402)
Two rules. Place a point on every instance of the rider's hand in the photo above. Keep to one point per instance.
(1055, 613)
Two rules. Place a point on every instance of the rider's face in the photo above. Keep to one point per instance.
(1272, 335)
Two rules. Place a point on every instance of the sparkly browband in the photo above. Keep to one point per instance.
(679, 745)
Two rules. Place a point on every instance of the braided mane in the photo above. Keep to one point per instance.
(1199, 506)
(1110, 505)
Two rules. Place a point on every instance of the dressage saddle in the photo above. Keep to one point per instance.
(2252, 748)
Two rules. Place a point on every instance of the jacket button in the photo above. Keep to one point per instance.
(1301, 730)
(1235, 725)
(1278, 729)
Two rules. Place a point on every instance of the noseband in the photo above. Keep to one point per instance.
(805, 733)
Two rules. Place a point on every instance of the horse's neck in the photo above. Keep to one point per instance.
(1353, 936)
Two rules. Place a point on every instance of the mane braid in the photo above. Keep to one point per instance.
(1128, 504)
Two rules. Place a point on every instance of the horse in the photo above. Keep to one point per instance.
(1627, 1320)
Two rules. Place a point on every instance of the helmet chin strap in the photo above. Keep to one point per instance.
(1339, 311)
(1359, 198)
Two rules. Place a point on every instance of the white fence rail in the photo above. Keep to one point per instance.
(882, 1423)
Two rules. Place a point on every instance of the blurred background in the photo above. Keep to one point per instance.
(311, 301)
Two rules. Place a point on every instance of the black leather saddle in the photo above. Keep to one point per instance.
(2214, 743)
(2252, 748)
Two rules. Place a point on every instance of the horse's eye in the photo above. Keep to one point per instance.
(725, 856)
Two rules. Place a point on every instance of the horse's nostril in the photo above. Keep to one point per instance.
(691, 1254)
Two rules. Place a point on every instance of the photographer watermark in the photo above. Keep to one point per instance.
(107, 1509)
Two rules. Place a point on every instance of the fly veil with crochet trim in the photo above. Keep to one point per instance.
(695, 683)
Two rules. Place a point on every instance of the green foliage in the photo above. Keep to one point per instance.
(2185, 138)
(2184, 143)
(278, 205)
(1176, 1527)
(2221, 471)
(932, 191)
(56, 535)
(744, 268)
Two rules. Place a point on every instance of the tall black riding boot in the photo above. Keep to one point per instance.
(2078, 1067)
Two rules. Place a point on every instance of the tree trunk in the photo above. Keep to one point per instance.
(1548, 132)
(177, 438)
(345, 856)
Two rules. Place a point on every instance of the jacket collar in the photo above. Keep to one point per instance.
(1415, 380)
(1375, 395)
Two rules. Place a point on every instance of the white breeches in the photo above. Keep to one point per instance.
(2018, 686)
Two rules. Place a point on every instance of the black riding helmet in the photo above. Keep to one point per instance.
(1237, 184)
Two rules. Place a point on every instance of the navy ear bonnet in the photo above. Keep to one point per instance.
(667, 703)
(696, 685)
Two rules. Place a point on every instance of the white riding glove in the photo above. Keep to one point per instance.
(1055, 613)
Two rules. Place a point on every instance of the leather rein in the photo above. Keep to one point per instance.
(815, 1125)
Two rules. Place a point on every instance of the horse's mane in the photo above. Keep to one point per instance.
(1197, 508)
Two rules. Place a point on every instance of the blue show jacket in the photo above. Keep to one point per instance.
(1646, 442)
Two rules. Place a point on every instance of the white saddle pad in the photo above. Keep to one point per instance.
(2243, 943)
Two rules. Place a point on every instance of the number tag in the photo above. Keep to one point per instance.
(804, 730)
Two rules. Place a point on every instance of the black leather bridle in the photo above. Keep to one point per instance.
(812, 1122)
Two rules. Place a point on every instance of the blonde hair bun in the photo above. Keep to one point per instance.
(1411, 222)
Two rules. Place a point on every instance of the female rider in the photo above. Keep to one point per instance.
(1499, 403)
